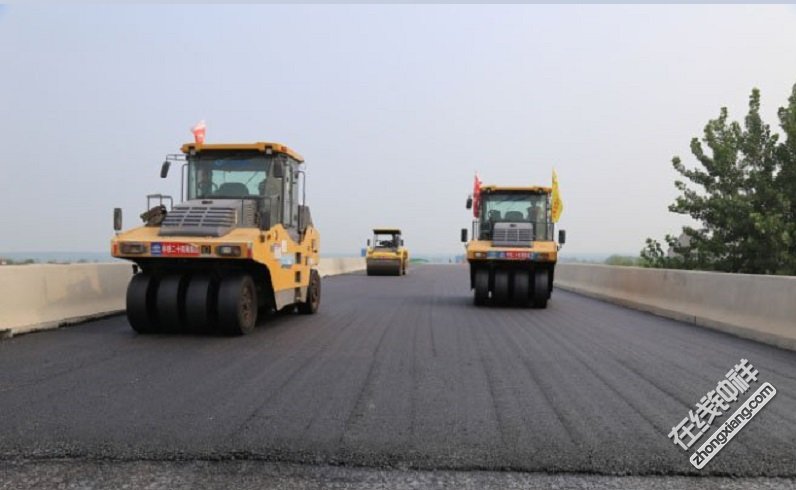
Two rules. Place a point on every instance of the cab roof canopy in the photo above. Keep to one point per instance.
(387, 230)
(499, 188)
(261, 146)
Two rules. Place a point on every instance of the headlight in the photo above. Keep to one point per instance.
(228, 250)
(133, 248)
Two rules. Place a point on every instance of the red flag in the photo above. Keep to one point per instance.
(199, 132)
(476, 195)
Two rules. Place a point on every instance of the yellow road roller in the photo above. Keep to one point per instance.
(240, 242)
(512, 254)
(386, 254)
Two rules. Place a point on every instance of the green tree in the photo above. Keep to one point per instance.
(742, 195)
(786, 180)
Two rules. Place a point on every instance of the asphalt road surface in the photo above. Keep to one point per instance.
(395, 373)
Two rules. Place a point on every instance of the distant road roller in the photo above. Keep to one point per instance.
(240, 242)
(512, 255)
(386, 255)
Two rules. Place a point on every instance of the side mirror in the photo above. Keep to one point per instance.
(469, 204)
(368, 242)
(279, 170)
(164, 169)
(464, 235)
(562, 236)
(402, 242)
(117, 219)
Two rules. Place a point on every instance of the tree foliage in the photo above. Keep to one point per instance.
(742, 192)
(623, 260)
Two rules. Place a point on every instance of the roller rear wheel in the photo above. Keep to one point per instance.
(237, 304)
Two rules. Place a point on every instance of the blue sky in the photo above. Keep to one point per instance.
(394, 108)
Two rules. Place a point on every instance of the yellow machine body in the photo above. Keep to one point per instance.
(289, 262)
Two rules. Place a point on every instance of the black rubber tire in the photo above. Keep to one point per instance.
(522, 288)
(501, 291)
(200, 301)
(313, 302)
(237, 304)
(170, 303)
(481, 287)
(541, 288)
(141, 303)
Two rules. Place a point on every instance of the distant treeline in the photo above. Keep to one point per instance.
(4, 261)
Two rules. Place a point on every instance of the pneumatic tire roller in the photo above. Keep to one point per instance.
(241, 243)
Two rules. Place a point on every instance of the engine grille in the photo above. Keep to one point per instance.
(198, 221)
(512, 234)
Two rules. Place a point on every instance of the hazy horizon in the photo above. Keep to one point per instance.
(393, 107)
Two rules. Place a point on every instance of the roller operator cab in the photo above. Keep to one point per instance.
(512, 253)
(240, 243)
(386, 254)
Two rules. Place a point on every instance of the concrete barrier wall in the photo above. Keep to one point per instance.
(39, 297)
(333, 266)
(758, 307)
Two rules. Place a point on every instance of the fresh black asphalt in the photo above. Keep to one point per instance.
(395, 372)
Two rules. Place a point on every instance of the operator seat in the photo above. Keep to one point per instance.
(514, 216)
(233, 189)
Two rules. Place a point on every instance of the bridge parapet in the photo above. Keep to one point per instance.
(758, 307)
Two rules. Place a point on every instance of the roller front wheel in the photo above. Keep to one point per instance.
(522, 286)
(541, 289)
(141, 293)
(481, 286)
(200, 304)
(310, 306)
(501, 292)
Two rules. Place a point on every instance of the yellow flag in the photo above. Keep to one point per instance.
(557, 205)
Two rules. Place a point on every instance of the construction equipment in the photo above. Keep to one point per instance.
(512, 254)
(240, 242)
(386, 256)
